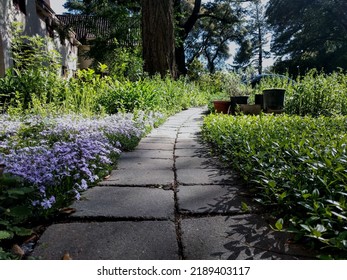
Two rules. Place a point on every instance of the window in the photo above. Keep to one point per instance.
(20, 4)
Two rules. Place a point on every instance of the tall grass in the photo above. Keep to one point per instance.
(317, 94)
(314, 94)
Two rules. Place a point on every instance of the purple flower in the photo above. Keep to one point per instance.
(69, 148)
(47, 203)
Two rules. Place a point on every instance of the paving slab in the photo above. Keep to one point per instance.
(237, 237)
(212, 199)
(192, 152)
(134, 202)
(145, 163)
(189, 144)
(163, 133)
(203, 177)
(148, 154)
(189, 129)
(187, 135)
(162, 140)
(147, 240)
(196, 163)
(139, 177)
(156, 146)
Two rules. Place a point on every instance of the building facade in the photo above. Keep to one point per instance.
(37, 18)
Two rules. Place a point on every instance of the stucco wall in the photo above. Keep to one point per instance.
(4, 42)
(33, 24)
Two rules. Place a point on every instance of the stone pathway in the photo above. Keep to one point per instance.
(168, 199)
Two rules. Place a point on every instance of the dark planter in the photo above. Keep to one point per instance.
(250, 109)
(221, 106)
(259, 100)
(236, 100)
(273, 99)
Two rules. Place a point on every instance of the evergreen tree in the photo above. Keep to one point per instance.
(251, 51)
(309, 34)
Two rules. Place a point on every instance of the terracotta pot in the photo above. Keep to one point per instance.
(221, 106)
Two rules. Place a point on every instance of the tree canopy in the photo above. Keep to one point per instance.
(309, 34)
(255, 32)
(218, 24)
(203, 29)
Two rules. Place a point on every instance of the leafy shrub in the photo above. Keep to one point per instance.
(314, 94)
(298, 163)
(15, 209)
(223, 85)
(35, 77)
(152, 94)
(318, 94)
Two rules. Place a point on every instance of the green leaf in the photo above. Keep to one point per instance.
(244, 207)
(20, 212)
(315, 193)
(306, 227)
(5, 234)
(339, 215)
(279, 224)
(20, 231)
(283, 195)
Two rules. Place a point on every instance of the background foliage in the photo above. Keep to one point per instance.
(308, 34)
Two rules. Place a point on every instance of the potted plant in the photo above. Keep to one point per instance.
(221, 106)
(219, 103)
(273, 99)
(239, 94)
(232, 92)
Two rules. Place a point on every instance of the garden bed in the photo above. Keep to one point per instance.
(48, 161)
(298, 163)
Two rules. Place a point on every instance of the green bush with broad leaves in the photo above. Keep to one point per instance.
(152, 94)
(15, 210)
(299, 164)
(313, 94)
(318, 94)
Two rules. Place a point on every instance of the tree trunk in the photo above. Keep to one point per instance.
(181, 59)
(260, 41)
(158, 40)
(186, 27)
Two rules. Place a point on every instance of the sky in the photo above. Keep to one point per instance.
(57, 6)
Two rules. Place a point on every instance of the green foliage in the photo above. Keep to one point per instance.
(15, 209)
(318, 94)
(296, 25)
(314, 94)
(223, 85)
(35, 77)
(80, 94)
(207, 39)
(152, 94)
(299, 164)
(116, 45)
(34, 86)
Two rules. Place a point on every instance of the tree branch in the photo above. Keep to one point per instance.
(189, 24)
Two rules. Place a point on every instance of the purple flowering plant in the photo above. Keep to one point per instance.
(59, 157)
